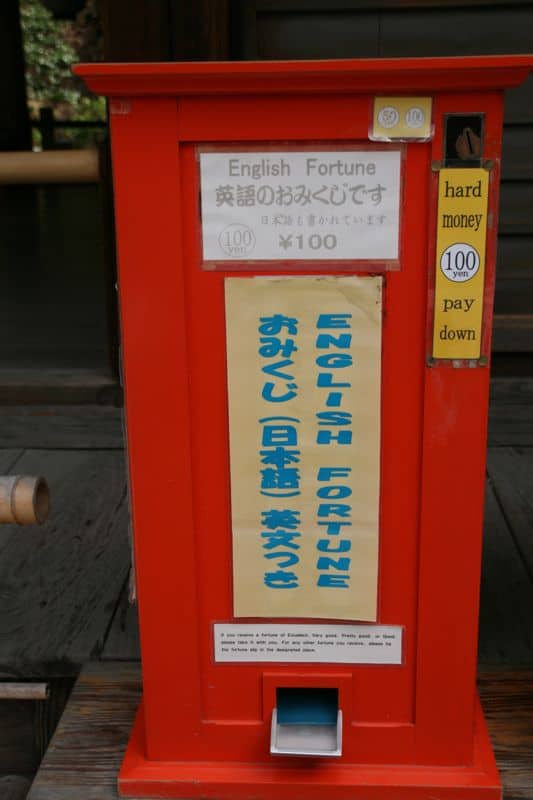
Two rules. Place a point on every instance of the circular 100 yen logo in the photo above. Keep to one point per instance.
(237, 240)
(459, 262)
(415, 117)
(388, 117)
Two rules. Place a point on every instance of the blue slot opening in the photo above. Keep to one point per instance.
(307, 706)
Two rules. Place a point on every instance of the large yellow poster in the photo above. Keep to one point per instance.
(460, 263)
(304, 377)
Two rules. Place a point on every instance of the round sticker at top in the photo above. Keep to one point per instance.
(388, 117)
(401, 118)
(415, 117)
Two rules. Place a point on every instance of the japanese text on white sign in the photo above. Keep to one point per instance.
(287, 206)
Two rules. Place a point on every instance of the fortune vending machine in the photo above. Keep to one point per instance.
(306, 271)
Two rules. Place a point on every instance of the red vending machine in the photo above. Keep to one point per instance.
(306, 258)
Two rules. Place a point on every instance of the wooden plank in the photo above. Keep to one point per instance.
(354, 5)
(506, 392)
(83, 759)
(26, 727)
(243, 30)
(511, 412)
(84, 756)
(511, 473)
(514, 296)
(8, 458)
(515, 257)
(318, 35)
(48, 385)
(48, 713)
(14, 787)
(519, 103)
(517, 153)
(505, 630)
(19, 750)
(65, 427)
(122, 642)
(61, 581)
(507, 698)
(512, 333)
(516, 207)
(456, 31)
(135, 30)
(200, 30)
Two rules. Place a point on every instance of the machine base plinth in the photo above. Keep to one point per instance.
(140, 777)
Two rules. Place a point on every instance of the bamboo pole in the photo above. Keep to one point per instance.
(50, 166)
(24, 499)
(24, 691)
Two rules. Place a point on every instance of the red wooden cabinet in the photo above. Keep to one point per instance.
(411, 723)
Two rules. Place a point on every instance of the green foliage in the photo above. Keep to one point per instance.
(51, 47)
(48, 55)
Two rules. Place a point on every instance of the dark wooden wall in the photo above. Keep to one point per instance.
(276, 29)
(165, 30)
(15, 131)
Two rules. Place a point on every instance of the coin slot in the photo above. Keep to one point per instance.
(463, 140)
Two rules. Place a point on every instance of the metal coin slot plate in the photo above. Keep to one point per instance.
(463, 140)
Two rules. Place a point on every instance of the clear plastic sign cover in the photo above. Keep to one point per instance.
(300, 205)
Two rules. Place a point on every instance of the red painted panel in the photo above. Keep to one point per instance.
(380, 693)
(194, 371)
(453, 480)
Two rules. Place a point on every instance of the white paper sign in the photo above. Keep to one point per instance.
(314, 644)
(310, 205)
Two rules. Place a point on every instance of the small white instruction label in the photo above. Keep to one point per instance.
(279, 206)
(314, 644)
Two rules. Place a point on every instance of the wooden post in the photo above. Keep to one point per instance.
(46, 126)
(24, 691)
(54, 166)
(15, 131)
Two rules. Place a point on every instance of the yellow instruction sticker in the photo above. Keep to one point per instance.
(460, 263)
(304, 390)
(401, 118)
